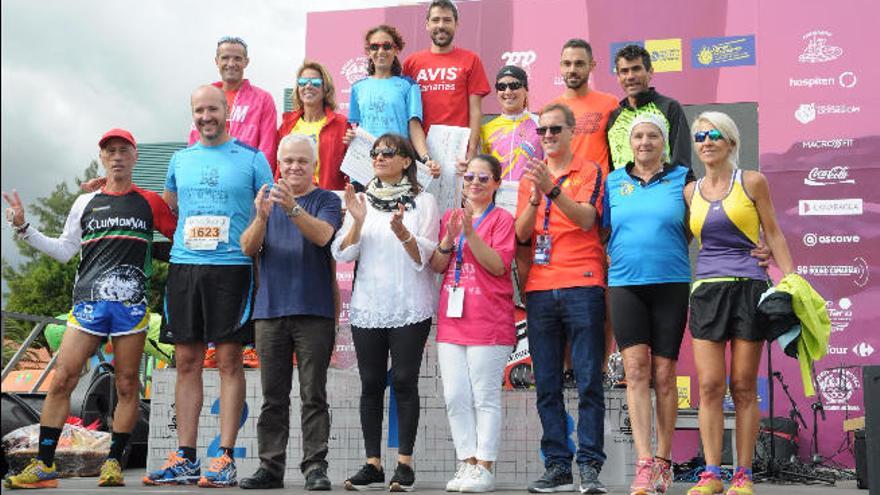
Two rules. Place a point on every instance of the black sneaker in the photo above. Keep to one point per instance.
(317, 480)
(261, 480)
(369, 477)
(557, 478)
(590, 480)
(403, 480)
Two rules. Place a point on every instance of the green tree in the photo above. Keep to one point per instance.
(41, 285)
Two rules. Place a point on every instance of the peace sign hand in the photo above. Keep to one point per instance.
(15, 211)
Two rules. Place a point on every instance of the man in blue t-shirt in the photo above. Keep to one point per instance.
(209, 291)
(294, 312)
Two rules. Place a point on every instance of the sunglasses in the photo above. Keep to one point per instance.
(232, 39)
(374, 47)
(513, 86)
(482, 177)
(385, 152)
(554, 129)
(713, 135)
(316, 82)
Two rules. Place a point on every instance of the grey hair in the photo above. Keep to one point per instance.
(299, 138)
(728, 128)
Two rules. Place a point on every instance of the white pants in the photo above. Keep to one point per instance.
(472, 378)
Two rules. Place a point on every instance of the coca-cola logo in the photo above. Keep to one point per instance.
(827, 176)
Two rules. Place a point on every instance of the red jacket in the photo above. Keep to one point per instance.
(330, 147)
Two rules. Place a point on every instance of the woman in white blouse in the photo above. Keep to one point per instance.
(391, 231)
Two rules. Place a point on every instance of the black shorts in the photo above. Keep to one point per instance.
(653, 315)
(208, 303)
(721, 311)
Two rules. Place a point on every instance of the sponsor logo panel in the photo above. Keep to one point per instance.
(837, 386)
(857, 271)
(812, 239)
(818, 48)
(727, 51)
(808, 112)
(819, 176)
(840, 314)
(665, 54)
(830, 207)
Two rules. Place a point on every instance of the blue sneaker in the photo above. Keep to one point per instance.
(177, 470)
(221, 473)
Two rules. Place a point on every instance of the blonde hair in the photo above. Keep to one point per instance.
(328, 88)
(728, 129)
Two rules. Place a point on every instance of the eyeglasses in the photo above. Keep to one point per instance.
(513, 86)
(232, 39)
(554, 129)
(482, 177)
(316, 82)
(387, 46)
(385, 152)
(713, 135)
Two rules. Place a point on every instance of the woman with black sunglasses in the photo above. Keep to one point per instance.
(730, 208)
(386, 102)
(475, 321)
(314, 105)
(391, 231)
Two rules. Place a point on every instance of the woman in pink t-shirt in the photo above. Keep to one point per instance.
(475, 328)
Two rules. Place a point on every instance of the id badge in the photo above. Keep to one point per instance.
(455, 304)
(542, 249)
(204, 232)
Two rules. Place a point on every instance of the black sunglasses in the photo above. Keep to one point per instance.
(374, 47)
(385, 152)
(513, 86)
(554, 129)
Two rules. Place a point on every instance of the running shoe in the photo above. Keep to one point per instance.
(662, 475)
(210, 358)
(709, 484)
(369, 477)
(249, 358)
(111, 474)
(177, 470)
(740, 484)
(221, 473)
(34, 475)
(643, 483)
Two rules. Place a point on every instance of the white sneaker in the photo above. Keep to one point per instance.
(454, 485)
(478, 480)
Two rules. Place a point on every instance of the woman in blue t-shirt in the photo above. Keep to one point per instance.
(648, 279)
(385, 102)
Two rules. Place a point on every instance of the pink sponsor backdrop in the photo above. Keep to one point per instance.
(814, 77)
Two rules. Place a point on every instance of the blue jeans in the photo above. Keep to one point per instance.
(575, 314)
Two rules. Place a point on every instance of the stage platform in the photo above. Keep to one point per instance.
(86, 486)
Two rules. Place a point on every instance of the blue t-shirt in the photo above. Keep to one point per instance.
(385, 105)
(215, 187)
(295, 274)
(648, 243)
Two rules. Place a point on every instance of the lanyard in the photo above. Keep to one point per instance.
(459, 251)
(559, 182)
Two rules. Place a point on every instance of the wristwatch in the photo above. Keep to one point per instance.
(425, 158)
(554, 192)
(296, 211)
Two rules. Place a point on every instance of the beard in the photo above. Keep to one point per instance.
(443, 44)
(575, 83)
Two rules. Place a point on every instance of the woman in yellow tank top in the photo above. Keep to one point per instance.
(729, 209)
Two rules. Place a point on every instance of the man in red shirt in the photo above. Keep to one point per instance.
(453, 80)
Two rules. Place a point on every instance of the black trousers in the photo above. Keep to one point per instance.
(373, 346)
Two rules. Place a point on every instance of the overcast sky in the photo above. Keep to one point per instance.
(72, 70)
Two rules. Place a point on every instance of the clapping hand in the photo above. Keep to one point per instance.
(355, 204)
(453, 228)
(282, 195)
(262, 203)
(15, 211)
(397, 225)
(539, 174)
(467, 221)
